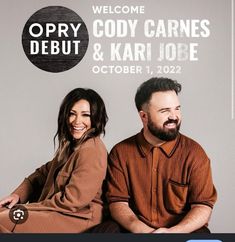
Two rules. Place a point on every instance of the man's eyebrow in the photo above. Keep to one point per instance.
(163, 109)
(166, 109)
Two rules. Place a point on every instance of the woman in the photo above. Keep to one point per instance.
(64, 195)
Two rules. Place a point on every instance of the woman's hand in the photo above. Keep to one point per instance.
(10, 201)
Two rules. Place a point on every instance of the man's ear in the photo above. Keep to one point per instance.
(143, 116)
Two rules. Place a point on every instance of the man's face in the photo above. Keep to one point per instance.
(163, 116)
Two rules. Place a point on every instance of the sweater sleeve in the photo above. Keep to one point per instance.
(31, 187)
(85, 181)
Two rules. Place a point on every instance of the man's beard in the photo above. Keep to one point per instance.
(164, 134)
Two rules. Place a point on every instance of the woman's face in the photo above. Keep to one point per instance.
(79, 118)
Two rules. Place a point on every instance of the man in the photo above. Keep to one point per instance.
(160, 180)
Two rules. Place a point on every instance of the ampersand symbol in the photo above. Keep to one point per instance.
(98, 55)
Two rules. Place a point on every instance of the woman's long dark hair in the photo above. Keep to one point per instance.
(98, 117)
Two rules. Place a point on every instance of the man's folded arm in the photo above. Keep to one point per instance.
(124, 215)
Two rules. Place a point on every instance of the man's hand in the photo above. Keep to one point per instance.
(161, 231)
(197, 217)
(10, 201)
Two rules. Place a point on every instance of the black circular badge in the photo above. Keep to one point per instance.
(55, 39)
(18, 214)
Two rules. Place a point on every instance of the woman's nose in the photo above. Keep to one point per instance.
(77, 119)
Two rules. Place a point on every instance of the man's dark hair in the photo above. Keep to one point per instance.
(155, 84)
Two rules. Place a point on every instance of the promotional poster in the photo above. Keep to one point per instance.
(113, 47)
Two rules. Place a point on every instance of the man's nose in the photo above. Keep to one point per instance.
(172, 115)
